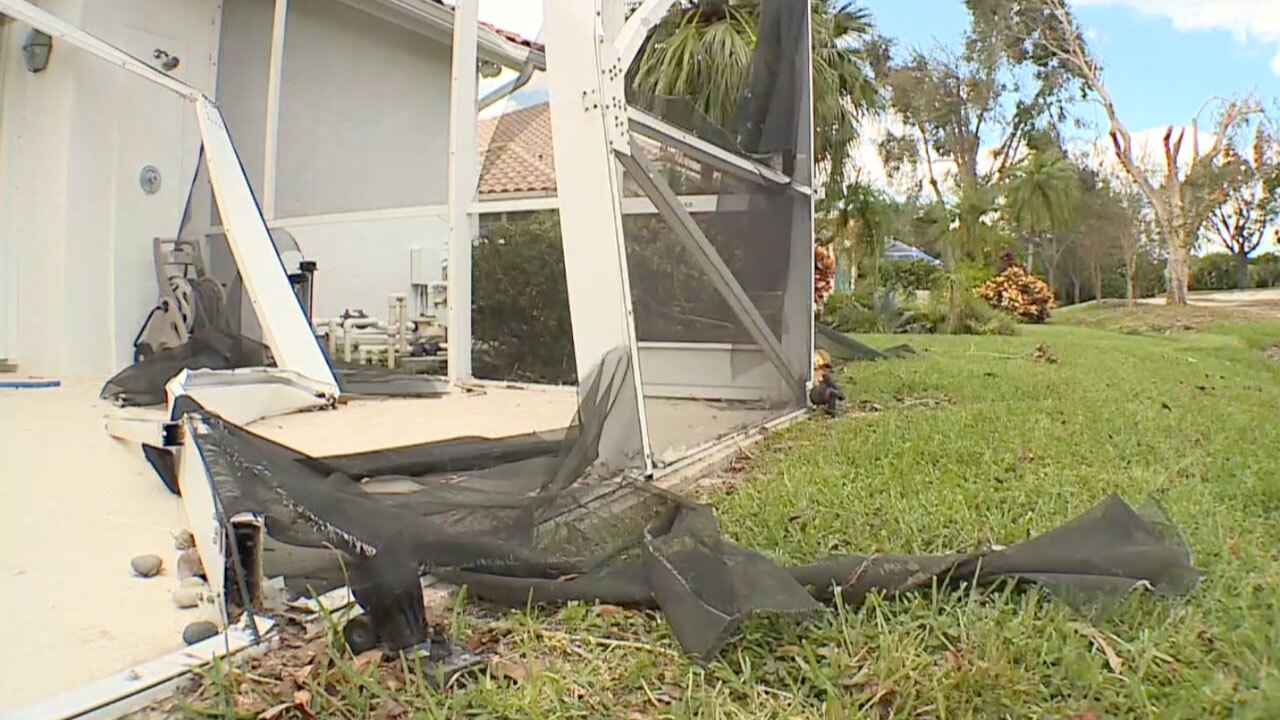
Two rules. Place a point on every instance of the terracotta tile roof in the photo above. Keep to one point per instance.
(517, 155)
(516, 152)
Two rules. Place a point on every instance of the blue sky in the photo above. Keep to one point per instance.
(1163, 58)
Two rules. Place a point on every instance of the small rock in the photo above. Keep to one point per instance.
(184, 540)
(187, 597)
(194, 582)
(197, 631)
(147, 565)
(189, 564)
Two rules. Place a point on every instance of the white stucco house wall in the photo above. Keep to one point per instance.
(343, 132)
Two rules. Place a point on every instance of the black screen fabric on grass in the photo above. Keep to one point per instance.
(847, 348)
(523, 519)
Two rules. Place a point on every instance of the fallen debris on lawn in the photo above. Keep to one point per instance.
(524, 519)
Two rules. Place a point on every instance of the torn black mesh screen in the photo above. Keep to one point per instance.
(849, 349)
(522, 520)
(717, 220)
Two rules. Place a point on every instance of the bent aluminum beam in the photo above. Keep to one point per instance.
(284, 326)
(637, 28)
(669, 206)
(24, 11)
(642, 123)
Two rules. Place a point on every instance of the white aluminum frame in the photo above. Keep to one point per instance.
(592, 133)
(463, 179)
(284, 326)
(589, 184)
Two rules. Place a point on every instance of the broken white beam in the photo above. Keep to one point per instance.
(589, 183)
(24, 11)
(284, 326)
(643, 123)
(631, 37)
(245, 395)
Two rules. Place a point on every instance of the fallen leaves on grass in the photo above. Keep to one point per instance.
(608, 611)
(481, 640)
(882, 699)
(1044, 354)
(390, 710)
(1099, 639)
(515, 669)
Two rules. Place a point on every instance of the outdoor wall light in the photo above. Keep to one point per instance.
(36, 51)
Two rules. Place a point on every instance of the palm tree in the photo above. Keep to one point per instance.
(961, 229)
(702, 51)
(860, 219)
(1042, 194)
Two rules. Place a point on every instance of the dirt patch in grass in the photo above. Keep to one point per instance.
(1273, 352)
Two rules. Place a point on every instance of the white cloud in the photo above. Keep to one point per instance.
(1249, 20)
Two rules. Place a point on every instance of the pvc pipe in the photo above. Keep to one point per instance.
(392, 329)
(335, 328)
(509, 87)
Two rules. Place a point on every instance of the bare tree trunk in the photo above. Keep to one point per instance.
(1130, 281)
(1096, 271)
(1075, 282)
(1179, 273)
(1242, 271)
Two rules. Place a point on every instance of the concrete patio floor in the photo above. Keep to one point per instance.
(76, 505)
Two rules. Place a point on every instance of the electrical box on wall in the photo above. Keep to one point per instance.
(424, 266)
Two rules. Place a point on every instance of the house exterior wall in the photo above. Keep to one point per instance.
(243, 56)
(362, 145)
(362, 261)
(363, 114)
(76, 227)
(362, 129)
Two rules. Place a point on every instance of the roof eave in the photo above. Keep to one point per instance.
(438, 17)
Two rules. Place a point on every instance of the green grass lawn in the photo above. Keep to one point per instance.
(971, 441)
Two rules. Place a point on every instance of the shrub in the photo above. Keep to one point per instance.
(824, 274)
(970, 274)
(1019, 292)
(1213, 271)
(1264, 271)
(879, 314)
(908, 274)
(520, 302)
(972, 316)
